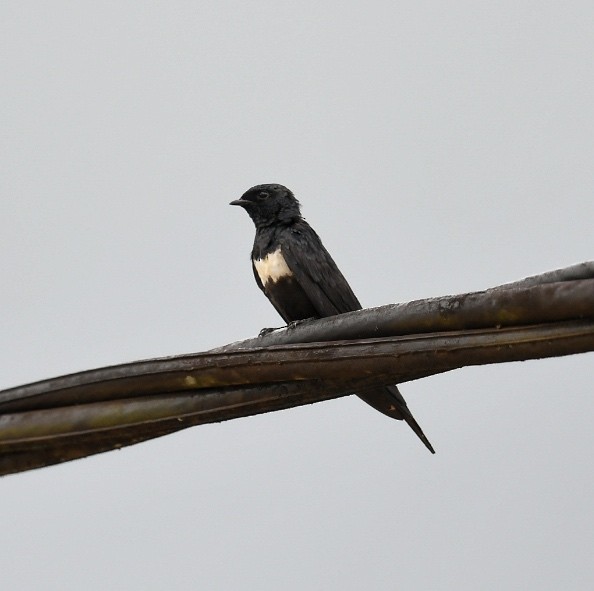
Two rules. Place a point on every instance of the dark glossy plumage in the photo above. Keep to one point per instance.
(316, 278)
(300, 278)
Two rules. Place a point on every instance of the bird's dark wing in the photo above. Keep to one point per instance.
(316, 272)
(329, 294)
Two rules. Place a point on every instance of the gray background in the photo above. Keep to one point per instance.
(437, 147)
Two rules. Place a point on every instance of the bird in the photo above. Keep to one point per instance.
(300, 278)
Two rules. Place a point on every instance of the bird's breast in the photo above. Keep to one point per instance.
(272, 267)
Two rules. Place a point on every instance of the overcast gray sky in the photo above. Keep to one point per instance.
(437, 148)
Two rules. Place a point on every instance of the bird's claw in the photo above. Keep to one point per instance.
(290, 326)
(296, 323)
(266, 331)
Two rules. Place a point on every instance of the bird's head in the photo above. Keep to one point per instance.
(269, 204)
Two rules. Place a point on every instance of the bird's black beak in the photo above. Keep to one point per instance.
(240, 202)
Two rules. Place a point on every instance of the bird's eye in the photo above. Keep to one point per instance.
(263, 195)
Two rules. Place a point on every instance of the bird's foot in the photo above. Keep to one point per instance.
(290, 326)
(296, 323)
(266, 331)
